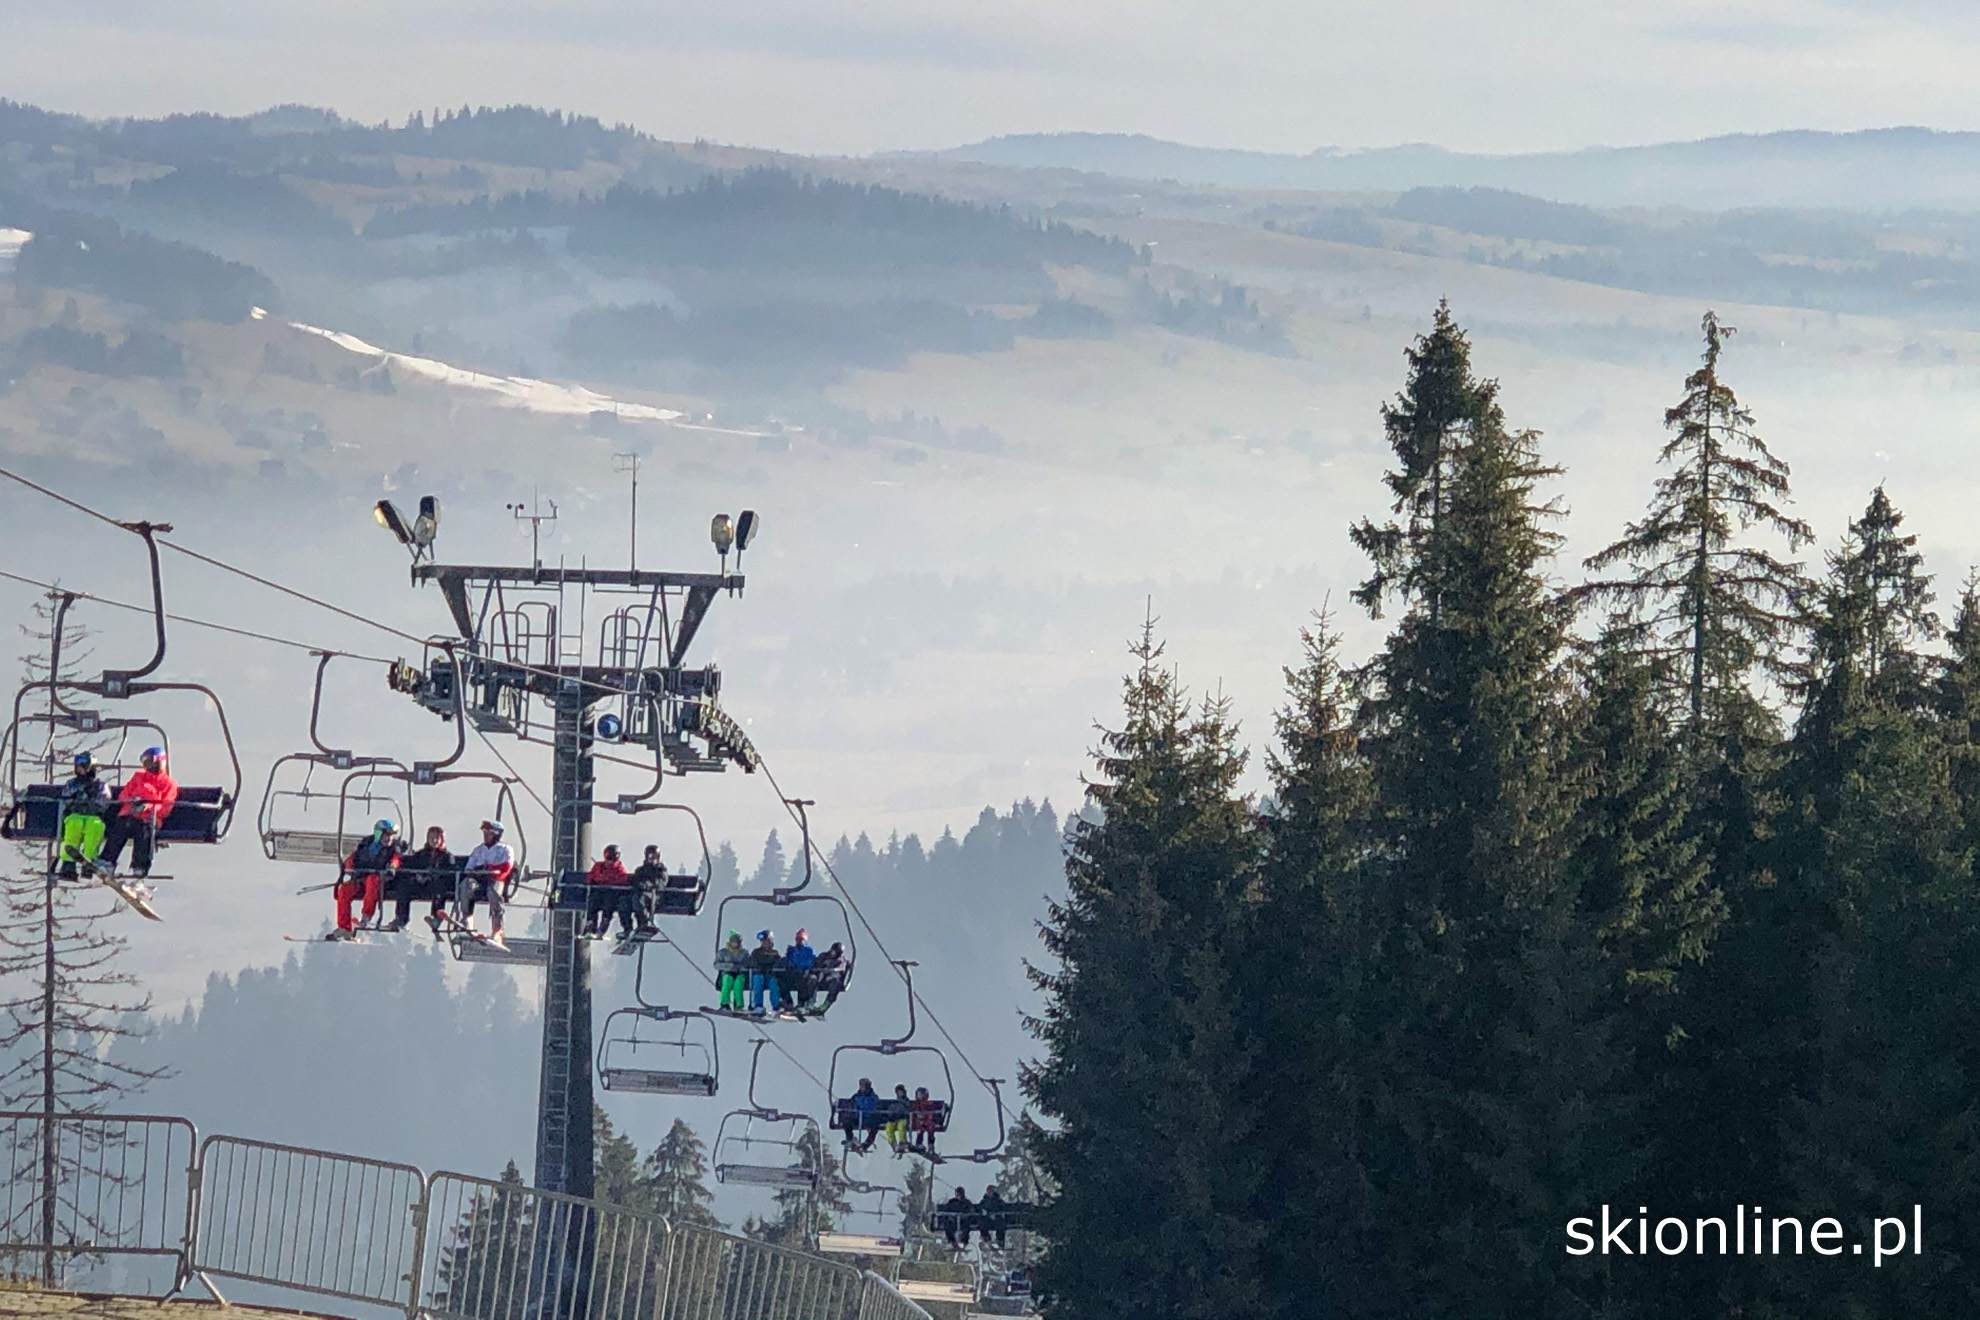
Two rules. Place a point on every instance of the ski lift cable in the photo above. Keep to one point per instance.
(182, 618)
(853, 903)
(215, 563)
(270, 583)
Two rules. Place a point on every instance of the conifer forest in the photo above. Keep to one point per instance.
(1647, 881)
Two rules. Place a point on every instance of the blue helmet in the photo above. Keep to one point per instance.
(382, 827)
(85, 763)
(152, 754)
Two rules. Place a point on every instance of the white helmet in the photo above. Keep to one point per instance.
(495, 825)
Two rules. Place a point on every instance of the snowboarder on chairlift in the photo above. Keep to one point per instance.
(732, 972)
(486, 879)
(84, 800)
(651, 881)
(147, 798)
(364, 876)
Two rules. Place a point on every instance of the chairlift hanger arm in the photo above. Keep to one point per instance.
(804, 828)
(54, 679)
(149, 533)
(630, 804)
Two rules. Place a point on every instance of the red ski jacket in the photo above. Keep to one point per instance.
(148, 796)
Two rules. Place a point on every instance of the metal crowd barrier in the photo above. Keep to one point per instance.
(880, 1300)
(714, 1276)
(502, 1251)
(445, 1245)
(335, 1225)
(122, 1186)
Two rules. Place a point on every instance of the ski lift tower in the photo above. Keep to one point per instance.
(575, 657)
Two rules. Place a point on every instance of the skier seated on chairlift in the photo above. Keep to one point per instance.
(147, 798)
(956, 1216)
(732, 972)
(922, 1114)
(763, 963)
(84, 800)
(794, 975)
(429, 873)
(364, 876)
(486, 878)
(829, 976)
(993, 1216)
(611, 892)
(862, 1115)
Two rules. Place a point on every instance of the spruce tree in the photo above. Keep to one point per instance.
(1441, 404)
(618, 1178)
(677, 1171)
(1308, 987)
(1155, 1151)
(1881, 931)
(1716, 604)
(1489, 1056)
(1956, 699)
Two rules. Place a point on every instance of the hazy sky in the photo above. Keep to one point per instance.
(819, 75)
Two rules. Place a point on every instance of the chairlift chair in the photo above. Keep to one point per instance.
(28, 800)
(202, 814)
(620, 1067)
(769, 1149)
(763, 1147)
(672, 901)
(785, 897)
(295, 828)
(845, 1114)
(952, 1282)
(844, 1241)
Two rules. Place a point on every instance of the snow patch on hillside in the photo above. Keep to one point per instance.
(524, 392)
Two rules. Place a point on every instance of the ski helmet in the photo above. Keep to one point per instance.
(84, 761)
(152, 754)
(382, 827)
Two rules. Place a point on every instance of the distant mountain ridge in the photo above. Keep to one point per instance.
(1874, 169)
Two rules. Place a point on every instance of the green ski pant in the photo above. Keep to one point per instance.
(82, 838)
(732, 987)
